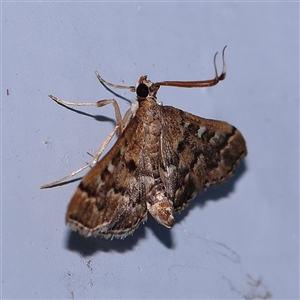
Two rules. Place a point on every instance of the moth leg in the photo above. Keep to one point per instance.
(116, 86)
(95, 160)
(99, 103)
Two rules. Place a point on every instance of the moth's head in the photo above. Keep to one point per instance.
(145, 88)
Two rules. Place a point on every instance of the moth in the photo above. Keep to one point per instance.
(162, 156)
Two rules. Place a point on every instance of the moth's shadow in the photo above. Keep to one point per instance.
(88, 246)
(99, 118)
(214, 193)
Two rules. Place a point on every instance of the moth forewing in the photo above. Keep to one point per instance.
(196, 153)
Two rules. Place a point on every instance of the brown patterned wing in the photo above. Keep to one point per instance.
(110, 200)
(196, 153)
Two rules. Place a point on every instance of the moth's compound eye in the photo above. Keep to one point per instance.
(142, 90)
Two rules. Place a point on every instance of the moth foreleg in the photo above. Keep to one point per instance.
(99, 103)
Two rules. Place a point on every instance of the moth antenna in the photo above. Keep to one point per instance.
(201, 83)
